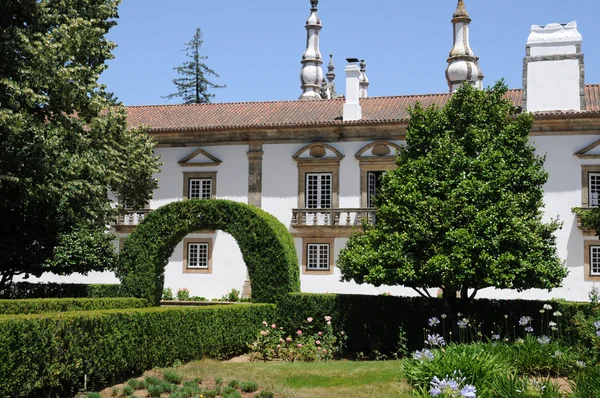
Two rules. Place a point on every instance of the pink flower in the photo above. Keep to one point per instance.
(318, 348)
(320, 333)
(273, 326)
(299, 332)
(281, 340)
(318, 342)
(265, 323)
(299, 346)
(328, 318)
(309, 319)
(263, 333)
(278, 346)
(324, 351)
(343, 333)
(329, 323)
(289, 339)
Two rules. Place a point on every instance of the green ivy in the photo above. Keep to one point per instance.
(44, 354)
(266, 245)
(38, 306)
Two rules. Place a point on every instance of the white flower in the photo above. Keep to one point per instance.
(547, 307)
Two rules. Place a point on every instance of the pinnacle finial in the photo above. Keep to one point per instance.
(363, 65)
(330, 69)
(461, 11)
(314, 3)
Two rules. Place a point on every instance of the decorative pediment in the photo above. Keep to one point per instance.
(318, 151)
(380, 149)
(199, 158)
(591, 151)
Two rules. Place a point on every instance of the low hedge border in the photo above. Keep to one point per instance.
(374, 323)
(44, 354)
(27, 290)
(37, 306)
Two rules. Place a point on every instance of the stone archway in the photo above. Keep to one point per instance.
(266, 245)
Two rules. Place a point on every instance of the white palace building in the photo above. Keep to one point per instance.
(314, 163)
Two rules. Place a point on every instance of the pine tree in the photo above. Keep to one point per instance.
(193, 84)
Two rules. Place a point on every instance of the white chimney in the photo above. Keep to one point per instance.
(352, 110)
(553, 70)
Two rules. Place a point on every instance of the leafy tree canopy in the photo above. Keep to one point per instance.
(193, 85)
(64, 142)
(463, 209)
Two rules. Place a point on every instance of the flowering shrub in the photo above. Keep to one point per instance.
(183, 294)
(313, 341)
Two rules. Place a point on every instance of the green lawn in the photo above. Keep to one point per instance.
(334, 379)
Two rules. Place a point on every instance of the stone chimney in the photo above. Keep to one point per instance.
(352, 110)
(553, 69)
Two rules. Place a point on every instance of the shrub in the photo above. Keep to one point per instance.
(234, 384)
(128, 390)
(586, 383)
(37, 306)
(265, 394)
(374, 324)
(183, 294)
(117, 343)
(167, 294)
(248, 386)
(27, 290)
(273, 267)
(136, 384)
(172, 377)
(530, 356)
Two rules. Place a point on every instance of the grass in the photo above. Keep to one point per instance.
(335, 379)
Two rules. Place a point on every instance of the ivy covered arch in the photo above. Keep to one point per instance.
(266, 245)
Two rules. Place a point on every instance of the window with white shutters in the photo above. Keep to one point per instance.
(200, 188)
(593, 188)
(197, 255)
(318, 190)
(318, 257)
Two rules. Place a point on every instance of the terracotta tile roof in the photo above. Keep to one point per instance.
(375, 110)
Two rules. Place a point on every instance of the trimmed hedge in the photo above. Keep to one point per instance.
(44, 355)
(37, 306)
(266, 245)
(373, 323)
(27, 290)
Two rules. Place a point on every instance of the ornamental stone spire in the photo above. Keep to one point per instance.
(363, 80)
(463, 65)
(311, 74)
(330, 69)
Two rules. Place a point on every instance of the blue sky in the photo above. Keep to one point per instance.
(256, 46)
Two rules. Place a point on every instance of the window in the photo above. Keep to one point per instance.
(591, 260)
(200, 188)
(593, 189)
(318, 190)
(373, 182)
(197, 255)
(199, 185)
(317, 256)
(595, 260)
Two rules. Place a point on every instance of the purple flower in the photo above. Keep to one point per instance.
(543, 339)
(529, 329)
(435, 340)
(434, 321)
(423, 355)
(495, 337)
(469, 391)
(525, 320)
(597, 325)
(463, 323)
(452, 387)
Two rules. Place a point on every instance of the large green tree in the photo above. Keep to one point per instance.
(463, 210)
(193, 85)
(64, 143)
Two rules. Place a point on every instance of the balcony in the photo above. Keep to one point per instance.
(131, 218)
(332, 217)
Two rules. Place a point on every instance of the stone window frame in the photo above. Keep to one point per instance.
(317, 163)
(370, 165)
(587, 274)
(186, 269)
(212, 175)
(322, 241)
